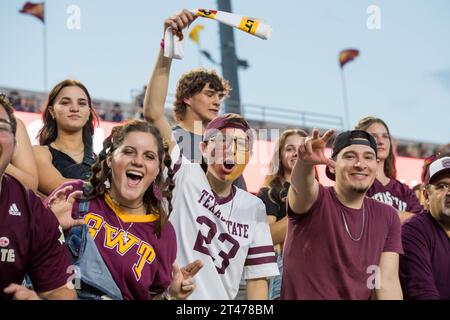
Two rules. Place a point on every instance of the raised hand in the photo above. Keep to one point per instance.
(183, 283)
(179, 21)
(312, 150)
(61, 205)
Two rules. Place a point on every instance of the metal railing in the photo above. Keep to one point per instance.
(284, 116)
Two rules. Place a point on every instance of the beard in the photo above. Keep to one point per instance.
(360, 189)
(446, 212)
(444, 219)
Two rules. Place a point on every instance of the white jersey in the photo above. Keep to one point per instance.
(230, 235)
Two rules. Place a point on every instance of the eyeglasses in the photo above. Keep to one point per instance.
(241, 143)
(442, 187)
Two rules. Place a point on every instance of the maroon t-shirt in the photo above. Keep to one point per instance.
(395, 194)
(31, 240)
(425, 266)
(321, 261)
(141, 266)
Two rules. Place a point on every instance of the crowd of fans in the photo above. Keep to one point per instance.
(161, 204)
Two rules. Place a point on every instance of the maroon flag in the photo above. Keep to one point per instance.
(35, 9)
(347, 56)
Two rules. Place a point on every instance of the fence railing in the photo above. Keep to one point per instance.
(284, 116)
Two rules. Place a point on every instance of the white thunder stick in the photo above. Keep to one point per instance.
(173, 47)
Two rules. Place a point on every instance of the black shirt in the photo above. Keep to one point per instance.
(69, 168)
(276, 203)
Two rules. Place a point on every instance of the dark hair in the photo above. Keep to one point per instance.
(192, 83)
(4, 102)
(274, 181)
(48, 132)
(101, 172)
(389, 164)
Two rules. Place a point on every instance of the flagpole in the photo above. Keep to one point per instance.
(45, 52)
(344, 95)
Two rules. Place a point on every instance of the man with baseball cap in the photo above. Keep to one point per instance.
(425, 266)
(340, 244)
(216, 222)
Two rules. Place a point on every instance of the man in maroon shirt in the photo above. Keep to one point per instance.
(31, 240)
(340, 244)
(425, 266)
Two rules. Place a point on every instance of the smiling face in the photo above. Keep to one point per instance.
(205, 105)
(355, 168)
(134, 166)
(381, 135)
(289, 152)
(227, 154)
(71, 109)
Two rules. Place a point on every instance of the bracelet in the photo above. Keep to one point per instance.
(167, 296)
(161, 44)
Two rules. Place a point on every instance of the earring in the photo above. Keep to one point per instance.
(107, 184)
(156, 191)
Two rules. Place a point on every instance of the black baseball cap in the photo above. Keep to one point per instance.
(348, 138)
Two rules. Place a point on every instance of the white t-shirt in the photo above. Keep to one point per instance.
(230, 235)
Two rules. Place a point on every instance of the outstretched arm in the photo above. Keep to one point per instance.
(156, 93)
(304, 187)
(23, 165)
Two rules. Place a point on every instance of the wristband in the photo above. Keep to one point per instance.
(167, 296)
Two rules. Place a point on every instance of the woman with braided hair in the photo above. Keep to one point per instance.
(129, 202)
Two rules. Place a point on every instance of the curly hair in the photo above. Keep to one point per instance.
(192, 83)
(49, 130)
(274, 181)
(389, 164)
(4, 102)
(101, 171)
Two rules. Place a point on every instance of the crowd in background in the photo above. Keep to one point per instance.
(118, 112)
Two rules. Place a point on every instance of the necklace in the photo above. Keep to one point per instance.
(232, 202)
(231, 209)
(125, 232)
(233, 193)
(124, 206)
(72, 155)
(348, 230)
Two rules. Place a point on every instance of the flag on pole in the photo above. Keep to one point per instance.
(35, 9)
(194, 34)
(347, 56)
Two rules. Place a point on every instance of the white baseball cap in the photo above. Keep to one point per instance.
(437, 167)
